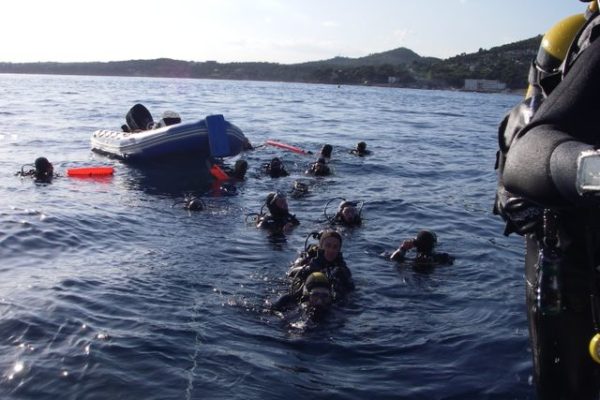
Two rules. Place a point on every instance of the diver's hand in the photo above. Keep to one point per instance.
(407, 245)
(521, 215)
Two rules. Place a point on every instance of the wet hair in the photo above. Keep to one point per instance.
(271, 203)
(275, 161)
(361, 146)
(42, 164)
(275, 168)
(326, 150)
(425, 242)
(345, 204)
(329, 233)
(43, 168)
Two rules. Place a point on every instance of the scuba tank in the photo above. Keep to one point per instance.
(549, 286)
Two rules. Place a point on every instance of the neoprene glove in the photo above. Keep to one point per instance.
(521, 216)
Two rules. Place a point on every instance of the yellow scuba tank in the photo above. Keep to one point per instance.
(555, 44)
(594, 348)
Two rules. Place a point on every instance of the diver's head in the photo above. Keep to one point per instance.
(277, 204)
(194, 204)
(239, 169)
(317, 290)
(300, 187)
(425, 242)
(275, 166)
(330, 243)
(326, 150)
(361, 147)
(43, 168)
(348, 213)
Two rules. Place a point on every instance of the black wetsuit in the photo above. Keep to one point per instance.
(337, 272)
(422, 259)
(275, 172)
(537, 170)
(276, 223)
(338, 219)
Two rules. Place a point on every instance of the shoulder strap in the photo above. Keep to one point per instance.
(588, 33)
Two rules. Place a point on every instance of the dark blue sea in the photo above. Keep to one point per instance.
(111, 290)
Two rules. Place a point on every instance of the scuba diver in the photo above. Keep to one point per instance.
(348, 214)
(424, 244)
(43, 170)
(360, 150)
(275, 168)
(548, 191)
(299, 189)
(312, 294)
(326, 257)
(326, 151)
(191, 203)
(319, 168)
(224, 172)
(239, 170)
(225, 176)
(279, 218)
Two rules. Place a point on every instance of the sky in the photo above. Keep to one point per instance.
(282, 31)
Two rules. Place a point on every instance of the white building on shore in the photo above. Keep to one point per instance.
(484, 85)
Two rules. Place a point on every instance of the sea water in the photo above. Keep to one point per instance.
(109, 289)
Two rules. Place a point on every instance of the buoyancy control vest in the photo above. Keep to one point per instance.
(559, 48)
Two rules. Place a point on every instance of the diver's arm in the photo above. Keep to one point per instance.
(285, 302)
(541, 163)
(542, 166)
(398, 255)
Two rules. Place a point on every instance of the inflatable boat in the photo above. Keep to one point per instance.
(212, 136)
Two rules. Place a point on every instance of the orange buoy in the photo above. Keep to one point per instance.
(287, 147)
(90, 171)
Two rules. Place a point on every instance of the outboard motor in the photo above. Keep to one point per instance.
(139, 118)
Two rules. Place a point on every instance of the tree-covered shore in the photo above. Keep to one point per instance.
(399, 67)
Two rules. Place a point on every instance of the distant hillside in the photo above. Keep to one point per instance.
(508, 63)
(401, 55)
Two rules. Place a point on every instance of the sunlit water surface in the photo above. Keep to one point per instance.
(109, 291)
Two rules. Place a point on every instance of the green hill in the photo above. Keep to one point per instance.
(508, 63)
(401, 55)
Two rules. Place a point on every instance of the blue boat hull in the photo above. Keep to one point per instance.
(186, 138)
